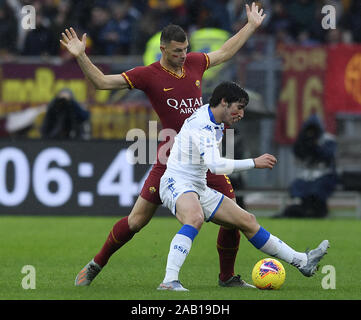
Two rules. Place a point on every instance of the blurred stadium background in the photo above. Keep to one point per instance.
(291, 67)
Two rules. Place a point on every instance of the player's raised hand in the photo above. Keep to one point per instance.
(72, 42)
(255, 15)
(265, 161)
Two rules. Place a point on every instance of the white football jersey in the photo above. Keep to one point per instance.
(196, 146)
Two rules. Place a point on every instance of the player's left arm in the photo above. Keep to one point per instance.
(232, 45)
(209, 151)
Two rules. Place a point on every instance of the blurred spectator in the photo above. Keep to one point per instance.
(237, 16)
(283, 38)
(279, 24)
(49, 8)
(178, 6)
(158, 15)
(315, 152)
(302, 15)
(210, 13)
(146, 27)
(41, 40)
(97, 27)
(80, 12)
(304, 39)
(337, 36)
(62, 17)
(351, 20)
(169, 11)
(279, 18)
(347, 37)
(334, 37)
(124, 27)
(65, 118)
(8, 30)
(118, 32)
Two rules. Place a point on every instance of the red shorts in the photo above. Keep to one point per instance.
(150, 190)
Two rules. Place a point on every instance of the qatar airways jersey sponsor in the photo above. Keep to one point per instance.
(174, 97)
(188, 105)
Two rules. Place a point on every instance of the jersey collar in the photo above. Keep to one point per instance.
(211, 116)
(173, 73)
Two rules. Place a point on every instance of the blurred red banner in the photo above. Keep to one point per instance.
(301, 91)
(343, 79)
(321, 80)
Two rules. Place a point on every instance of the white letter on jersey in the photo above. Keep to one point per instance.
(172, 103)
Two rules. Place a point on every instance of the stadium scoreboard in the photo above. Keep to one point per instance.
(40, 177)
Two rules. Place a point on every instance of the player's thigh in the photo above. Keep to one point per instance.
(148, 201)
(188, 210)
(150, 189)
(221, 183)
(230, 214)
(142, 212)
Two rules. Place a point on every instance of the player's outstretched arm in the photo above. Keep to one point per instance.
(77, 48)
(218, 165)
(231, 46)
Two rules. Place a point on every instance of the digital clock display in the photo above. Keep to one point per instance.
(69, 178)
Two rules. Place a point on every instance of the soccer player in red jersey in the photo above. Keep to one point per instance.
(173, 86)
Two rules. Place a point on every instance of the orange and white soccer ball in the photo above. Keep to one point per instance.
(268, 274)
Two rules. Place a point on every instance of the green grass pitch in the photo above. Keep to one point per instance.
(58, 247)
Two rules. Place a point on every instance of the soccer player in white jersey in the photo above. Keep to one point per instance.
(183, 187)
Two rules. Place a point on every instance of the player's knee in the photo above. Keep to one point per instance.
(137, 221)
(252, 218)
(135, 225)
(248, 222)
(252, 223)
(196, 220)
(141, 214)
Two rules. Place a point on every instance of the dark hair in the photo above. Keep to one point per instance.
(230, 92)
(173, 32)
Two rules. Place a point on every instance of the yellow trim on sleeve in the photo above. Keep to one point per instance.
(207, 59)
(128, 80)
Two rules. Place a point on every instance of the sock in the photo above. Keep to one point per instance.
(274, 247)
(178, 251)
(118, 236)
(227, 247)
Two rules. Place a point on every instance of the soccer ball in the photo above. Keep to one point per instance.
(268, 274)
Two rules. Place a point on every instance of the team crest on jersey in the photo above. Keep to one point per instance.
(198, 84)
(208, 127)
(152, 189)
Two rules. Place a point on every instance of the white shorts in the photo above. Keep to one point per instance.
(172, 186)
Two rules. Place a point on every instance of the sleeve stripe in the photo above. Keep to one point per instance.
(207, 60)
(128, 80)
